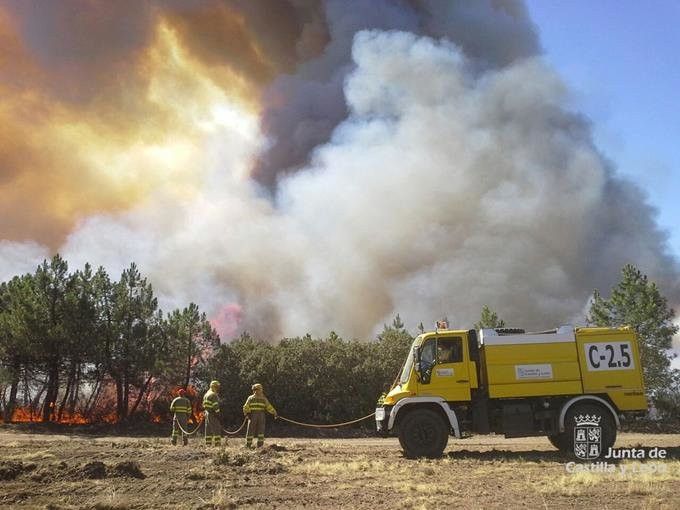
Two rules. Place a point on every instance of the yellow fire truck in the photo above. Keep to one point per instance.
(568, 384)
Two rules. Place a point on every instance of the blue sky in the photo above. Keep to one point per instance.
(620, 59)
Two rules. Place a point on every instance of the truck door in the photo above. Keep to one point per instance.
(448, 375)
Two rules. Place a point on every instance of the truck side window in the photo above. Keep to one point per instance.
(427, 355)
(450, 350)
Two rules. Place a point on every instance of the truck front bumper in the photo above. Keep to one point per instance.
(382, 417)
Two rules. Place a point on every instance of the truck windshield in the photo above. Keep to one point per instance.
(408, 365)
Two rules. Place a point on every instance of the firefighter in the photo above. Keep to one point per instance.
(255, 407)
(444, 353)
(181, 407)
(213, 423)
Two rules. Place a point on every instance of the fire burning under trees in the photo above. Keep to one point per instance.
(98, 406)
(81, 348)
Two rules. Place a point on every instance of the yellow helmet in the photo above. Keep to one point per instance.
(214, 384)
(257, 386)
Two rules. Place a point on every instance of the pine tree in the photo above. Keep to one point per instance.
(137, 339)
(637, 302)
(18, 347)
(192, 339)
(489, 319)
(393, 347)
(80, 323)
(52, 284)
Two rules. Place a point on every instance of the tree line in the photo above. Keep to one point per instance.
(80, 346)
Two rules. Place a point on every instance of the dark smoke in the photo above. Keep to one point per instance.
(303, 109)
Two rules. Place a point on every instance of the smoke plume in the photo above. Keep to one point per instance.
(321, 166)
(302, 110)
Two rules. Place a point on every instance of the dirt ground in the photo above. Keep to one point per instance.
(80, 472)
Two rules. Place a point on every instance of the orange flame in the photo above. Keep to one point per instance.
(154, 406)
(25, 414)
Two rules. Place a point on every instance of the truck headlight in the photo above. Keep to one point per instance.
(379, 414)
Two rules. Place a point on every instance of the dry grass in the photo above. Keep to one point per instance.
(196, 474)
(654, 502)
(415, 487)
(644, 471)
(111, 500)
(645, 482)
(573, 484)
(636, 478)
(221, 499)
(340, 468)
(28, 456)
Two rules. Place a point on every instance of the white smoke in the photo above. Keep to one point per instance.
(19, 258)
(445, 189)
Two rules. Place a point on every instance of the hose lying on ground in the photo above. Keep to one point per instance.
(312, 425)
(334, 425)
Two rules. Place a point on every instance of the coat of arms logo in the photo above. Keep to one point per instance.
(587, 437)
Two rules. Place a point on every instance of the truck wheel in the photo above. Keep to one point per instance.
(607, 426)
(559, 441)
(402, 443)
(423, 433)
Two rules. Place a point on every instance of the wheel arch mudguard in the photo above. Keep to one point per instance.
(587, 398)
(415, 401)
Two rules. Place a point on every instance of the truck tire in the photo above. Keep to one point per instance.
(559, 441)
(423, 433)
(607, 426)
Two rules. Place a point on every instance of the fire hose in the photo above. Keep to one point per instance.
(184, 431)
(245, 420)
(311, 425)
(334, 425)
(201, 423)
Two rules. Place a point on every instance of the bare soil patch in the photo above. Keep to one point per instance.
(83, 472)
